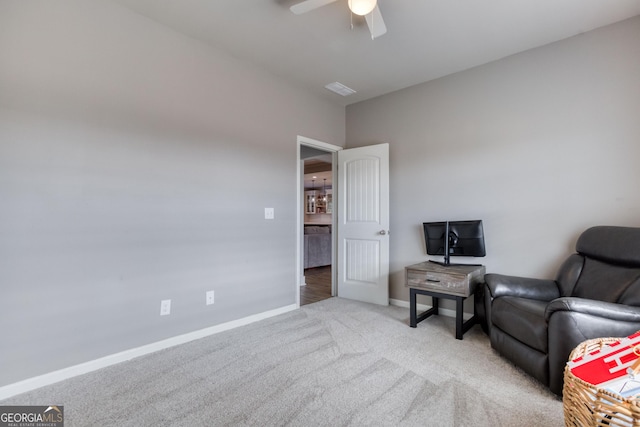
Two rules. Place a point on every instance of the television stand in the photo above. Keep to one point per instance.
(440, 282)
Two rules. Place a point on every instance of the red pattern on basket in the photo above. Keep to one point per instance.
(608, 363)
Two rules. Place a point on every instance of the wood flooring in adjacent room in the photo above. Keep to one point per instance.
(318, 286)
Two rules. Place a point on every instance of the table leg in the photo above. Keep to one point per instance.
(414, 317)
(412, 308)
(459, 312)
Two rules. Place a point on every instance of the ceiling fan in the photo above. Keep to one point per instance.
(367, 8)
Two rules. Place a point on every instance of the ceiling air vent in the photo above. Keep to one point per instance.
(340, 89)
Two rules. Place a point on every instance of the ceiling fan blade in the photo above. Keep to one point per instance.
(309, 5)
(375, 23)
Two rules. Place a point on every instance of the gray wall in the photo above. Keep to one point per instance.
(135, 166)
(539, 145)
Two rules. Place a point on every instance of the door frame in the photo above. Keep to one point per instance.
(333, 150)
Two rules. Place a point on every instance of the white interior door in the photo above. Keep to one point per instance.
(363, 224)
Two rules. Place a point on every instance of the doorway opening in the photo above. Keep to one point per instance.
(316, 207)
(359, 222)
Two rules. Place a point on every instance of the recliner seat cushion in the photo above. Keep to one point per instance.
(523, 319)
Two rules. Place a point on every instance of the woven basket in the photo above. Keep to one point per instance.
(586, 405)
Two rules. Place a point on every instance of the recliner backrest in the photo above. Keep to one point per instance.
(611, 265)
(613, 245)
(608, 282)
(568, 274)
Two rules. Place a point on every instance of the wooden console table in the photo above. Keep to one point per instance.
(456, 282)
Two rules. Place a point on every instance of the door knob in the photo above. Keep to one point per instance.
(382, 232)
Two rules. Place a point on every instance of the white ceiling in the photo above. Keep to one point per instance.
(426, 39)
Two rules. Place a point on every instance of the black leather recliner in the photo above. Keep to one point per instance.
(536, 323)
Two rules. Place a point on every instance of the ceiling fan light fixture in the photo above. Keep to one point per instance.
(362, 7)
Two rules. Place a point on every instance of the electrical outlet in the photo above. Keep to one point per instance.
(269, 213)
(209, 297)
(165, 307)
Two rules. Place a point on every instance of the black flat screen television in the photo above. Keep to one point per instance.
(454, 238)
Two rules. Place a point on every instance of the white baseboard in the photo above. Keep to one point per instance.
(93, 365)
(423, 307)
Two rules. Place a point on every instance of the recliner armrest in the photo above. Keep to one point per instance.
(609, 310)
(539, 289)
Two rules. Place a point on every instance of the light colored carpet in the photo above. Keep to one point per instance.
(332, 363)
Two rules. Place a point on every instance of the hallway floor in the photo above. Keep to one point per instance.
(318, 286)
